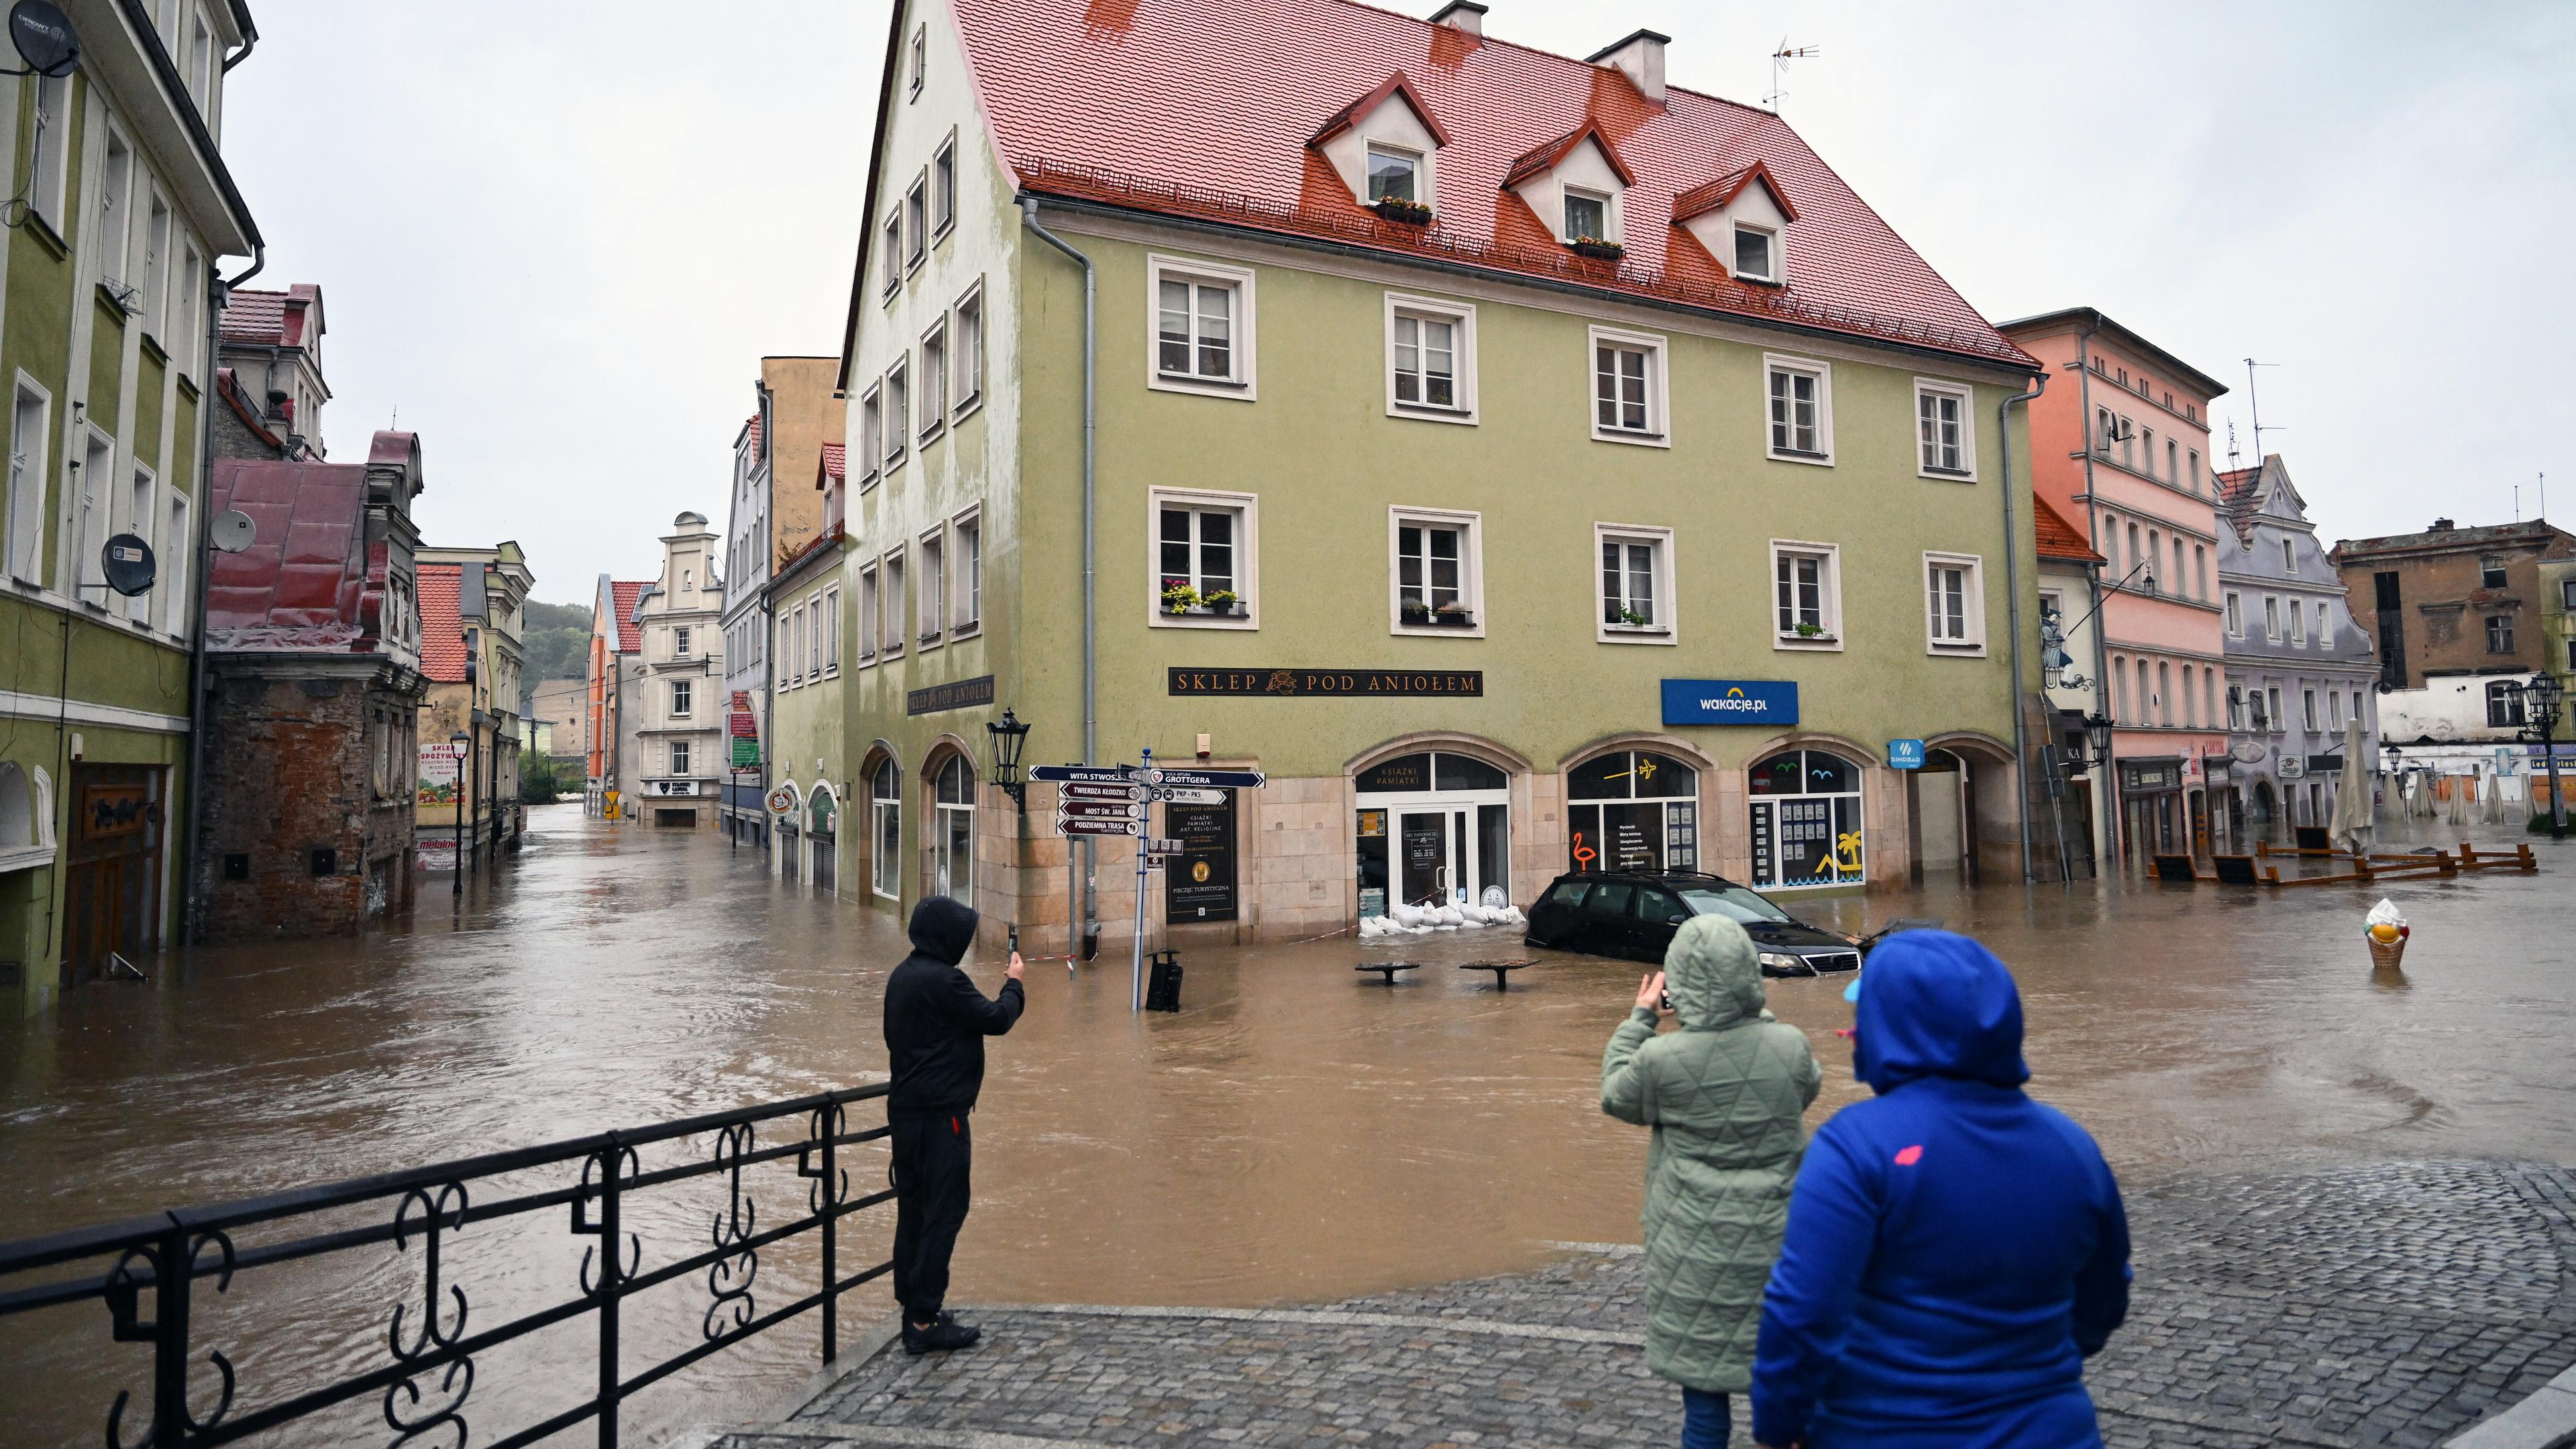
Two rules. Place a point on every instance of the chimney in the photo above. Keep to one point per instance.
(1640, 58)
(1464, 15)
(2441, 525)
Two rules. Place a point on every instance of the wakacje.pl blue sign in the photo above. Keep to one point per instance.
(1905, 754)
(1730, 701)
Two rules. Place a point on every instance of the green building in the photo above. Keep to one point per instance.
(106, 323)
(1528, 464)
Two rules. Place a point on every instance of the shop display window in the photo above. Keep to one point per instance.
(1806, 820)
(1633, 810)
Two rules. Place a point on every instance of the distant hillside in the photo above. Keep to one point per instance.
(556, 638)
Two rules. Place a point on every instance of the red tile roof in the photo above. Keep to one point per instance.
(2059, 539)
(272, 319)
(442, 629)
(1544, 157)
(1728, 187)
(622, 595)
(836, 465)
(751, 435)
(302, 582)
(1394, 85)
(1202, 108)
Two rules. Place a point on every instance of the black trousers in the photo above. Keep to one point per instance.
(931, 1161)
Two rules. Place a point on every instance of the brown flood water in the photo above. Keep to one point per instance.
(1297, 1133)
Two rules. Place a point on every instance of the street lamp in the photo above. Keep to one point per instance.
(1009, 734)
(2541, 697)
(2106, 784)
(456, 866)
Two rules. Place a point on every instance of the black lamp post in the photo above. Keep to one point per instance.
(2541, 698)
(1009, 734)
(465, 751)
(2097, 733)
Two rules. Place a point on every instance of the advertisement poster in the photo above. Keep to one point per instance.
(438, 774)
(438, 855)
(1200, 883)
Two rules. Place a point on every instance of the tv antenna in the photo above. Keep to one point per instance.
(1780, 59)
(2232, 463)
(2254, 402)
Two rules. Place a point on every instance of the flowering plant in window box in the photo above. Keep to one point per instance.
(1453, 613)
(1179, 597)
(1597, 249)
(1225, 603)
(1635, 620)
(1814, 633)
(1404, 211)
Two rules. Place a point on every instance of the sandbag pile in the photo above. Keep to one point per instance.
(1404, 920)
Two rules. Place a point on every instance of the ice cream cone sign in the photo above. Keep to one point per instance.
(2386, 931)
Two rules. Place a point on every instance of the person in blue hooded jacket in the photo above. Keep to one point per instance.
(1955, 1250)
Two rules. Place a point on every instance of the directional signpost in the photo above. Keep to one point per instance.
(1116, 800)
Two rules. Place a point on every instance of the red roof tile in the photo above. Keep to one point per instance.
(836, 465)
(622, 595)
(2058, 538)
(1543, 158)
(1394, 85)
(1202, 108)
(1728, 187)
(302, 582)
(442, 629)
(272, 319)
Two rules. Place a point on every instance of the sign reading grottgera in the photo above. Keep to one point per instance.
(1328, 683)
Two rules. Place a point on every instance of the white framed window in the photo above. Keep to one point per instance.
(2235, 615)
(179, 551)
(1430, 359)
(920, 57)
(1205, 565)
(1629, 395)
(2195, 472)
(30, 429)
(933, 578)
(885, 832)
(2280, 721)
(1954, 595)
(156, 271)
(916, 220)
(141, 513)
(2290, 558)
(952, 848)
(1944, 430)
(2164, 693)
(680, 642)
(679, 757)
(894, 252)
(898, 413)
(2334, 711)
(1799, 397)
(1757, 253)
(1435, 572)
(680, 698)
(1394, 173)
(2298, 623)
(892, 598)
(1635, 583)
(2272, 617)
(1199, 327)
(90, 519)
(966, 351)
(968, 567)
(186, 287)
(2308, 710)
(1806, 594)
(2236, 707)
(2200, 572)
(871, 436)
(943, 189)
(112, 232)
(934, 382)
(1587, 216)
(831, 621)
(52, 133)
(870, 629)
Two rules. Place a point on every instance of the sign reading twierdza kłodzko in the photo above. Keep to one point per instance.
(1730, 701)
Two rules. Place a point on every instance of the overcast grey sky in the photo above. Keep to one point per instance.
(558, 237)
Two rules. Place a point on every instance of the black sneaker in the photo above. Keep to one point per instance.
(943, 1334)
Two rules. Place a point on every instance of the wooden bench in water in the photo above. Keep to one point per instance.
(2366, 869)
(1386, 969)
(1502, 970)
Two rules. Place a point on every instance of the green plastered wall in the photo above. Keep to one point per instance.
(1327, 463)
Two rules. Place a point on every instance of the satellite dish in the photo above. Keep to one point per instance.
(127, 560)
(44, 37)
(230, 531)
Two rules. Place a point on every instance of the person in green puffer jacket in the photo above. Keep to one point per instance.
(1725, 1096)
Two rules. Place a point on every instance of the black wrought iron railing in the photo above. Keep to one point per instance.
(320, 1248)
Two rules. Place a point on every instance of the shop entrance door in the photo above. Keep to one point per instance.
(115, 868)
(1450, 848)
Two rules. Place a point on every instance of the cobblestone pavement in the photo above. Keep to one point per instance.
(2390, 1304)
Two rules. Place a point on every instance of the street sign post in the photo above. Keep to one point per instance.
(1208, 779)
(1192, 797)
(1072, 826)
(1163, 847)
(1083, 774)
(1078, 791)
(1100, 810)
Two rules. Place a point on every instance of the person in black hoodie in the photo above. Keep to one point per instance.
(935, 1025)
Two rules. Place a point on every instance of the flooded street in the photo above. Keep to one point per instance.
(1296, 1133)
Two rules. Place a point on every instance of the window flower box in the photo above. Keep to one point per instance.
(1596, 249)
(1808, 634)
(1179, 597)
(1447, 616)
(1401, 211)
(1224, 605)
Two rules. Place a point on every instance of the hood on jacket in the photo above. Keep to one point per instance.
(942, 929)
(1711, 974)
(1937, 1005)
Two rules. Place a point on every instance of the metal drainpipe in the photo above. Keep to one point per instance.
(1090, 609)
(2012, 615)
(2107, 772)
(193, 908)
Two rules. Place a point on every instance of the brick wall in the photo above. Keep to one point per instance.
(291, 768)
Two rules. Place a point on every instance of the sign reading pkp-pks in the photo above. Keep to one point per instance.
(1730, 701)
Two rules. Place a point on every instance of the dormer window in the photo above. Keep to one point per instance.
(1586, 215)
(1394, 175)
(1757, 253)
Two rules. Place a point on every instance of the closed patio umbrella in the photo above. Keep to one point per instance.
(2355, 824)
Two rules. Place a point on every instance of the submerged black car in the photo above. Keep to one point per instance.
(1616, 914)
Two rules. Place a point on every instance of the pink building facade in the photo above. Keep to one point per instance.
(2120, 445)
